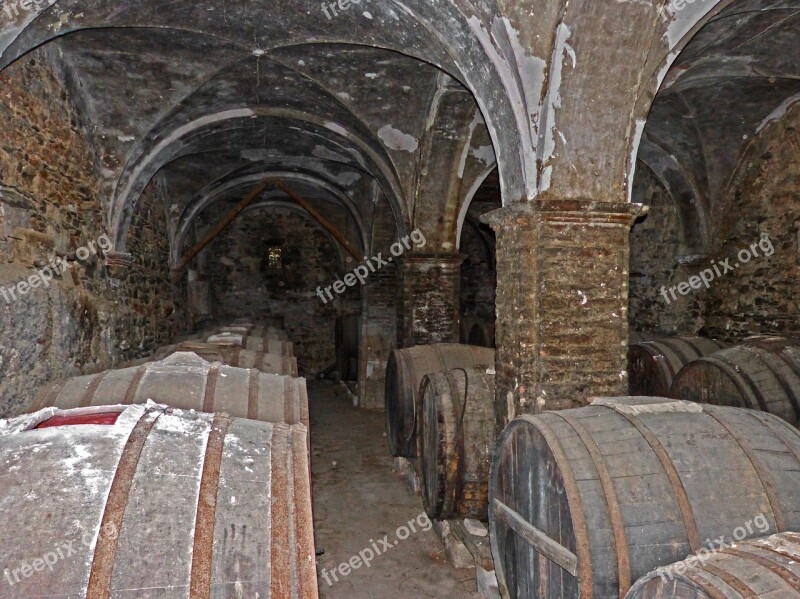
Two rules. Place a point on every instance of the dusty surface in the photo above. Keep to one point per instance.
(359, 500)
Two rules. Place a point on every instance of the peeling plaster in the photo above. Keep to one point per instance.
(637, 140)
(779, 112)
(394, 139)
(485, 154)
(553, 102)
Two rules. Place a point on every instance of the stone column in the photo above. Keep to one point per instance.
(562, 303)
(429, 294)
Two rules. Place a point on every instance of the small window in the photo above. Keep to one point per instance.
(274, 259)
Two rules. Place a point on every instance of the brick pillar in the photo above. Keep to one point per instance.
(562, 303)
(429, 291)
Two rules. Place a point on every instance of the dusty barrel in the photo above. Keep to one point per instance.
(271, 344)
(144, 501)
(652, 365)
(456, 441)
(186, 381)
(404, 373)
(759, 569)
(584, 502)
(230, 355)
(762, 374)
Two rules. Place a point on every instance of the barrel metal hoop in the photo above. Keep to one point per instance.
(792, 579)
(738, 375)
(581, 527)
(758, 468)
(736, 583)
(775, 424)
(91, 389)
(408, 436)
(133, 387)
(253, 394)
(235, 353)
(612, 501)
(105, 551)
(211, 388)
(282, 516)
(658, 356)
(679, 346)
(458, 487)
(795, 368)
(758, 353)
(707, 586)
(48, 396)
(682, 498)
(206, 515)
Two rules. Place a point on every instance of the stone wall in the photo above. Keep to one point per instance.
(243, 284)
(757, 297)
(760, 297)
(655, 266)
(81, 320)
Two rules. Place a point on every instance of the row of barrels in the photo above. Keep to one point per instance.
(583, 503)
(760, 373)
(173, 475)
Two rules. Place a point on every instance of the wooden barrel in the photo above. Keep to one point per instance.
(763, 374)
(638, 337)
(230, 355)
(186, 381)
(155, 503)
(766, 568)
(652, 365)
(584, 502)
(404, 372)
(456, 441)
(270, 345)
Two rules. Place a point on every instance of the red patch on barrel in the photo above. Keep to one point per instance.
(107, 418)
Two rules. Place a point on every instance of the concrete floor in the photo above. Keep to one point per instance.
(359, 501)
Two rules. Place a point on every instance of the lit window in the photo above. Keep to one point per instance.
(274, 257)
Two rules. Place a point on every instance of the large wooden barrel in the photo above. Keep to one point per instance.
(271, 345)
(759, 569)
(584, 502)
(146, 501)
(231, 355)
(186, 381)
(652, 365)
(404, 373)
(761, 374)
(457, 435)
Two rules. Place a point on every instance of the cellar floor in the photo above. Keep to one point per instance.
(360, 502)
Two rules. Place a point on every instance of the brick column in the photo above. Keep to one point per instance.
(429, 294)
(562, 303)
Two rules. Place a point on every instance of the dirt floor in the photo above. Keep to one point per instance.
(362, 507)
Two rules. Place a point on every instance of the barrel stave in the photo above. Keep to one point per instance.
(249, 534)
(762, 374)
(456, 437)
(647, 481)
(405, 370)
